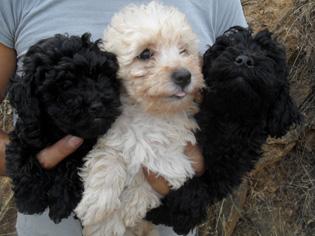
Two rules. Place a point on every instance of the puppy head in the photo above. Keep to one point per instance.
(69, 82)
(158, 56)
(247, 77)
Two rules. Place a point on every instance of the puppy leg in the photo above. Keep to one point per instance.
(137, 200)
(104, 177)
(67, 190)
(143, 228)
(30, 181)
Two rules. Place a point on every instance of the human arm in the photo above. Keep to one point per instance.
(4, 140)
(7, 68)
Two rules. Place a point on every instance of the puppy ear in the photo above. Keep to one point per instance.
(273, 48)
(283, 114)
(23, 99)
(213, 52)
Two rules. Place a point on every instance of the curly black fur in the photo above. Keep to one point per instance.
(68, 86)
(242, 105)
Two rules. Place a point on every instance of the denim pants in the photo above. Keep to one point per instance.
(41, 225)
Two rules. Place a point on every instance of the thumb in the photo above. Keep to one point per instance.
(52, 155)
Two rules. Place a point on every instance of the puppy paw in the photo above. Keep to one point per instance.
(136, 202)
(92, 210)
(62, 207)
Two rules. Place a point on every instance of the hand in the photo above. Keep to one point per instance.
(160, 185)
(48, 157)
(52, 155)
(195, 155)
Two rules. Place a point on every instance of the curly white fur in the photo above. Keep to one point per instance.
(154, 127)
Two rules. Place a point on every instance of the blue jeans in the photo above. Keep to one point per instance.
(41, 225)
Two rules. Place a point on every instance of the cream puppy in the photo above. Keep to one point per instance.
(160, 72)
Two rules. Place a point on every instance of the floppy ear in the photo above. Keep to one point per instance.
(284, 111)
(23, 99)
(213, 52)
(273, 50)
(283, 114)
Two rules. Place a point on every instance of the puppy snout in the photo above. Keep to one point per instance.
(181, 77)
(96, 107)
(244, 60)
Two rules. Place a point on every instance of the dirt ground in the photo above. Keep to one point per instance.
(278, 198)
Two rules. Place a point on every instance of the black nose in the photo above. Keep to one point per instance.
(244, 60)
(96, 107)
(181, 77)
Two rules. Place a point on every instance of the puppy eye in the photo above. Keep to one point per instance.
(184, 51)
(145, 54)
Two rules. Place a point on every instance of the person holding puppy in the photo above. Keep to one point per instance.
(23, 23)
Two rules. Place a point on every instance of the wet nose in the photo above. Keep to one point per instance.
(181, 77)
(95, 107)
(244, 60)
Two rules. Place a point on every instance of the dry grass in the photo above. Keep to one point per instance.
(7, 208)
(281, 199)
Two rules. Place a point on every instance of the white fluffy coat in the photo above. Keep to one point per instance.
(117, 194)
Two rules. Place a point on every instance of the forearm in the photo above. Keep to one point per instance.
(7, 65)
(7, 68)
(2, 164)
(3, 141)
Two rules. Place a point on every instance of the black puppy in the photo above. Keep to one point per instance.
(247, 98)
(68, 86)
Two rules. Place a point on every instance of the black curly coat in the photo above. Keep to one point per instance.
(68, 86)
(247, 98)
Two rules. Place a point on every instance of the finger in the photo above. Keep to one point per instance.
(51, 156)
(195, 155)
(158, 183)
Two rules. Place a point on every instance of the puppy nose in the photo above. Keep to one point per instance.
(95, 107)
(181, 77)
(244, 60)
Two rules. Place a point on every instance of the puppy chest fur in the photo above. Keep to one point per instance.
(113, 169)
(156, 141)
